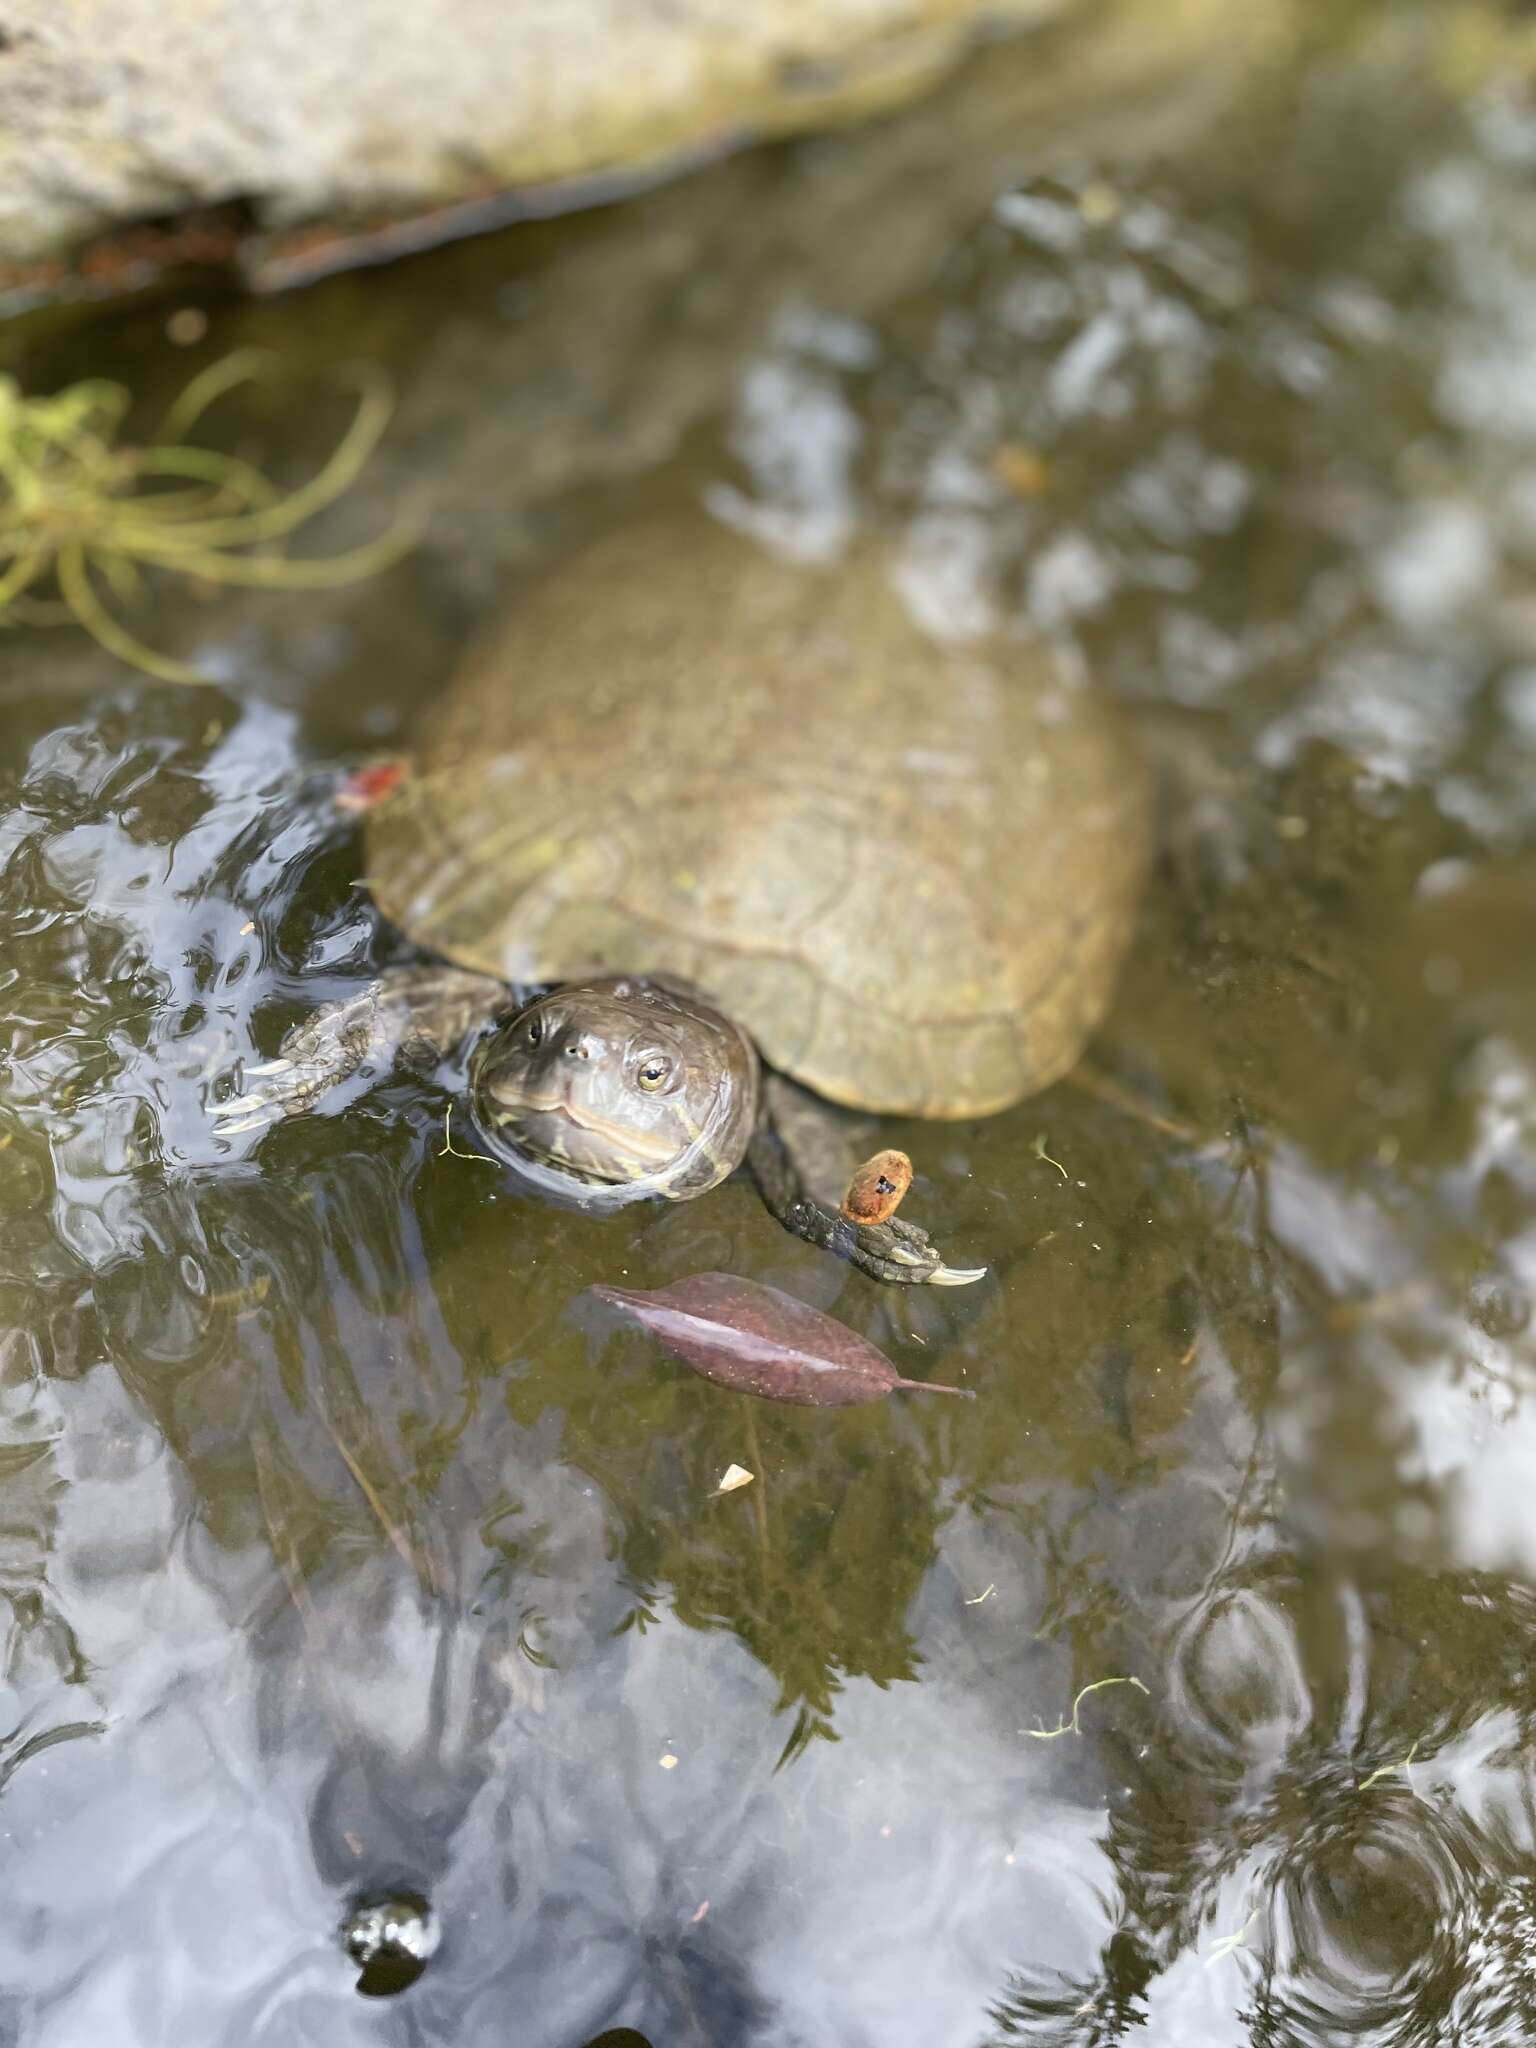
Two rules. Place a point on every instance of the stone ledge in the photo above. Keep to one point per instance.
(117, 111)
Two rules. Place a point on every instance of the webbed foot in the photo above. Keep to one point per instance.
(314, 1057)
(414, 1015)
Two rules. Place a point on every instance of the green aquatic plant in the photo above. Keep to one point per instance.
(87, 514)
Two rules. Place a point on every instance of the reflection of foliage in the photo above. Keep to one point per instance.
(1368, 1896)
(1046, 2010)
(77, 506)
(814, 1567)
(819, 1593)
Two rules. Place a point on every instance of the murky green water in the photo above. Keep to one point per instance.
(339, 1558)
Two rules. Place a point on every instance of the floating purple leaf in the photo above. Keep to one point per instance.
(757, 1340)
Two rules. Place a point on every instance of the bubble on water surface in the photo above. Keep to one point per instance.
(392, 1939)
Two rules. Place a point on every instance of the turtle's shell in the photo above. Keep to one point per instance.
(907, 868)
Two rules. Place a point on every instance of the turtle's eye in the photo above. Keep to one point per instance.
(654, 1072)
(535, 1031)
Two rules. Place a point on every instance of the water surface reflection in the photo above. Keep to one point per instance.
(343, 1565)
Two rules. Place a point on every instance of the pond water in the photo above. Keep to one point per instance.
(1181, 1686)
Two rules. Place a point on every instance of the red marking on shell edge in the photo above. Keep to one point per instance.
(365, 787)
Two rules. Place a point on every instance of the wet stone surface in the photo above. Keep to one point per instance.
(342, 1567)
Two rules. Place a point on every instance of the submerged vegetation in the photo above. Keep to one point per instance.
(83, 516)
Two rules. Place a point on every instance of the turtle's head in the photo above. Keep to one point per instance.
(623, 1085)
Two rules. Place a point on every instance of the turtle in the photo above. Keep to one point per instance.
(702, 838)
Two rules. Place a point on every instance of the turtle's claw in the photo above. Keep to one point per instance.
(956, 1276)
(239, 1113)
(288, 1088)
(250, 1123)
(284, 1087)
(903, 1252)
(906, 1255)
(240, 1108)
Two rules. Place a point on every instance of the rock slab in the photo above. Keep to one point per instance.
(115, 111)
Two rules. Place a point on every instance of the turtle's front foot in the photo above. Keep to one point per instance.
(900, 1251)
(314, 1057)
(866, 1230)
(881, 1243)
(415, 1014)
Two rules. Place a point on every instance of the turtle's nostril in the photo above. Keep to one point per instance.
(578, 1046)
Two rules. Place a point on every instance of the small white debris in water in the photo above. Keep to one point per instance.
(733, 1477)
(668, 1761)
(1043, 220)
